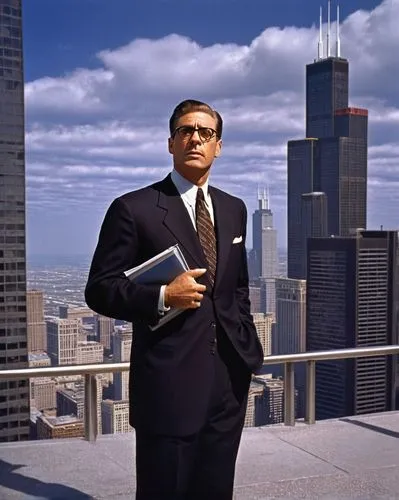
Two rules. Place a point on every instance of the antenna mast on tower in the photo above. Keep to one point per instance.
(320, 45)
(338, 42)
(329, 29)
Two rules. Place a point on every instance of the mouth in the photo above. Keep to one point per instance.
(194, 154)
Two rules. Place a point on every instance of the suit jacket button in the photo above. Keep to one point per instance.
(213, 324)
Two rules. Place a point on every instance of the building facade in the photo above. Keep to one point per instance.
(62, 340)
(65, 427)
(37, 335)
(290, 316)
(115, 417)
(353, 301)
(122, 348)
(263, 324)
(104, 328)
(14, 395)
(89, 352)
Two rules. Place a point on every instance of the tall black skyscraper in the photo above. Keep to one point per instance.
(14, 395)
(333, 157)
(353, 301)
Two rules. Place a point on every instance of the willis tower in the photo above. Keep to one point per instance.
(331, 161)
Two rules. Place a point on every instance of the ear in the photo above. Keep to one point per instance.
(218, 150)
(170, 145)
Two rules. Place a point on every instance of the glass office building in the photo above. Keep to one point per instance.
(14, 395)
(331, 160)
(353, 301)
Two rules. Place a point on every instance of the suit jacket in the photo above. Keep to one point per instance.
(171, 373)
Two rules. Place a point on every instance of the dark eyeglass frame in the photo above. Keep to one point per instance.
(191, 130)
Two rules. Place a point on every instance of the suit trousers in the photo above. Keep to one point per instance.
(202, 465)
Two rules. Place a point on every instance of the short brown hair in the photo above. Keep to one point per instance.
(191, 105)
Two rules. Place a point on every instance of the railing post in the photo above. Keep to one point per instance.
(289, 394)
(310, 414)
(91, 423)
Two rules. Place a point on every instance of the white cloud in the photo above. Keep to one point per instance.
(93, 134)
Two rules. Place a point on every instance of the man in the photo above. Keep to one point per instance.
(189, 379)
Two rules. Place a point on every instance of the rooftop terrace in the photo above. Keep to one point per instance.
(356, 457)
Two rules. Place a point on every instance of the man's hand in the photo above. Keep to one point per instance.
(184, 292)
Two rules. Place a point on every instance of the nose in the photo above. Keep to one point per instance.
(196, 137)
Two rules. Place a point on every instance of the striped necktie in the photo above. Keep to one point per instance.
(206, 234)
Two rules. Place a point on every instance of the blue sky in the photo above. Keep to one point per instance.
(102, 78)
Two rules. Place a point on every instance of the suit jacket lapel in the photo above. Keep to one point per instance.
(178, 221)
(223, 232)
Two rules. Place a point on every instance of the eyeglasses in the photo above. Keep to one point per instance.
(186, 132)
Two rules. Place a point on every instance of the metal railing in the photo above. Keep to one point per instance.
(289, 360)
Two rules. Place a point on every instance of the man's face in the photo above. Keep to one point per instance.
(194, 150)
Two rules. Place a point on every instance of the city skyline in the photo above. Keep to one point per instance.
(89, 139)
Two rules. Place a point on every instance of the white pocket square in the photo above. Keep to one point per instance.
(237, 239)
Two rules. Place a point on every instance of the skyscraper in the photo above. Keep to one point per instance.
(122, 348)
(14, 395)
(37, 336)
(290, 316)
(265, 251)
(333, 158)
(290, 335)
(353, 301)
(104, 328)
(263, 324)
(62, 340)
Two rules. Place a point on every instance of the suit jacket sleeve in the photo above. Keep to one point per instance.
(108, 291)
(242, 292)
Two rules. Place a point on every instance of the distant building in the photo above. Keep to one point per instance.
(265, 250)
(104, 328)
(254, 298)
(89, 352)
(37, 336)
(62, 340)
(255, 391)
(269, 408)
(71, 401)
(332, 160)
(39, 359)
(290, 316)
(290, 335)
(67, 426)
(75, 312)
(43, 393)
(122, 348)
(353, 301)
(115, 417)
(268, 295)
(263, 324)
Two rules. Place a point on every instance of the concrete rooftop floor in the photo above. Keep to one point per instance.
(356, 457)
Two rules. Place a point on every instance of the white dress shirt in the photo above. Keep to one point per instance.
(188, 194)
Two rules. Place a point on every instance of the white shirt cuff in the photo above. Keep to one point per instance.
(161, 301)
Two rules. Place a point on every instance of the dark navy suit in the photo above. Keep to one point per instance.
(197, 367)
